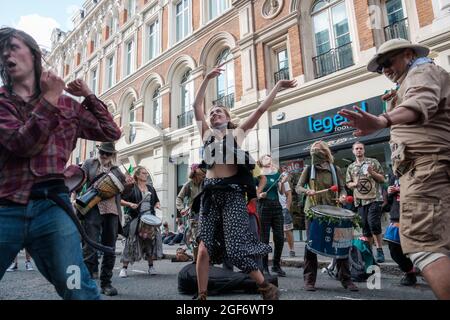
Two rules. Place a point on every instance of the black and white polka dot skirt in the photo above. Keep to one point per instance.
(225, 231)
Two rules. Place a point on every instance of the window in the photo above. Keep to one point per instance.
(216, 8)
(282, 61)
(94, 87)
(132, 118)
(109, 72)
(182, 20)
(131, 8)
(225, 82)
(157, 110)
(90, 149)
(332, 37)
(397, 23)
(128, 58)
(153, 40)
(186, 99)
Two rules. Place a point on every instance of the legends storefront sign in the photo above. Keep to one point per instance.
(323, 124)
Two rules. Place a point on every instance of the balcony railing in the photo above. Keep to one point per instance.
(333, 60)
(398, 29)
(282, 74)
(226, 101)
(185, 119)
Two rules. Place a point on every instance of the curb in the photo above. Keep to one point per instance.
(389, 267)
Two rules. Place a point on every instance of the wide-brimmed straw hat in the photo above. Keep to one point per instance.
(107, 147)
(394, 45)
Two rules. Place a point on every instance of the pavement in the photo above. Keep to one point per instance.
(389, 266)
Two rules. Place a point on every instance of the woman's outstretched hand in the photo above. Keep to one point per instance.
(286, 84)
(215, 72)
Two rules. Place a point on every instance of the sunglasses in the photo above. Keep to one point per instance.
(103, 153)
(388, 62)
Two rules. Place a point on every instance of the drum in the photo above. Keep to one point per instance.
(106, 187)
(331, 231)
(392, 233)
(148, 226)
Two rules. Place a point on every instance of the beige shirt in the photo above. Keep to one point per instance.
(425, 89)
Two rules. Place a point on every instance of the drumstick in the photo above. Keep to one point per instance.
(333, 188)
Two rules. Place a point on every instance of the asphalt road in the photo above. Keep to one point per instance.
(31, 285)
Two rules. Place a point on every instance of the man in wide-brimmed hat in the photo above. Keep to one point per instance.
(103, 220)
(418, 114)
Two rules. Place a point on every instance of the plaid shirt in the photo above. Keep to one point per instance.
(37, 138)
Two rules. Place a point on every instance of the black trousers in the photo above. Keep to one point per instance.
(399, 257)
(271, 216)
(104, 228)
(371, 218)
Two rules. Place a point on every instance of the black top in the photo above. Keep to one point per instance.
(225, 152)
(135, 196)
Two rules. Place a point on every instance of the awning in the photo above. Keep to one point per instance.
(336, 142)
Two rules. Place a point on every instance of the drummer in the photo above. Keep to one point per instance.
(103, 220)
(321, 178)
(141, 200)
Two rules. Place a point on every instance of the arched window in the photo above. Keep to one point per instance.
(157, 108)
(225, 82)
(332, 37)
(132, 118)
(186, 100)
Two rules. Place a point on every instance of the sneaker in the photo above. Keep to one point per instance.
(269, 291)
(291, 254)
(28, 266)
(279, 271)
(109, 290)
(151, 270)
(12, 267)
(380, 256)
(123, 273)
(408, 279)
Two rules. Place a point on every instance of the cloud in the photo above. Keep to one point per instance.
(39, 27)
(71, 10)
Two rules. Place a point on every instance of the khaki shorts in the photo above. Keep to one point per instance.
(425, 208)
(422, 259)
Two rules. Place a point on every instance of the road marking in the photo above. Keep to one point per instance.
(139, 271)
(347, 298)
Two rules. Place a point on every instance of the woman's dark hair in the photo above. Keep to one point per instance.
(6, 35)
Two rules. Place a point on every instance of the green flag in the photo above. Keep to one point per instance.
(130, 169)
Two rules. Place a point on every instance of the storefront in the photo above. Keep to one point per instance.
(297, 136)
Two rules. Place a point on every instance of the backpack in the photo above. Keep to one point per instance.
(220, 281)
(360, 259)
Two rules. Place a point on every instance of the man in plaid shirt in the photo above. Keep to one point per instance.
(39, 128)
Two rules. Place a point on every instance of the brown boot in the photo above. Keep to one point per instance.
(202, 295)
(268, 291)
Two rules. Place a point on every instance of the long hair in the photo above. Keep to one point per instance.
(6, 35)
(137, 171)
(326, 148)
(231, 125)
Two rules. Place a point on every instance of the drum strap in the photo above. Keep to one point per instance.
(52, 194)
(312, 174)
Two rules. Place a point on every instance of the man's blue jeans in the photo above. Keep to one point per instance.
(53, 241)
